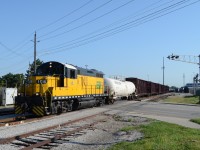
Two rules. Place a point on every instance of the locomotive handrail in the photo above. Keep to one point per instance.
(49, 91)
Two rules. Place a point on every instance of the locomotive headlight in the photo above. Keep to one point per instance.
(37, 94)
(20, 94)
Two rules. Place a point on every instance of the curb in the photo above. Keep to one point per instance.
(180, 104)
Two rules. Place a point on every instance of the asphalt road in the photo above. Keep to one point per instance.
(162, 109)
(172, 113)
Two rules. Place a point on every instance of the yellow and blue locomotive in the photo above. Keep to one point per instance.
(58, 87)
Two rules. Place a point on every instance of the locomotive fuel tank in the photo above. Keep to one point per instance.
(119, 89)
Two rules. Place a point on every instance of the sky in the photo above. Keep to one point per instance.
(126, 38)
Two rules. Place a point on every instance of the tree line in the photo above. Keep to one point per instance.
(11, 80)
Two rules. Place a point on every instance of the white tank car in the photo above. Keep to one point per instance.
(119, 89)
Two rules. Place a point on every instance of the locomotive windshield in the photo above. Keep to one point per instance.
(50, 69)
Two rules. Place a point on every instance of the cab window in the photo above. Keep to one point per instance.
(73, 74)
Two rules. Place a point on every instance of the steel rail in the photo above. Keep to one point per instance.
(10, 139)
(60, 136)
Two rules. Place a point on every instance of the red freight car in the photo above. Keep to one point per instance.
(147, 88)
(141, 86)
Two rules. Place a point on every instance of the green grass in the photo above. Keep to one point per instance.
(196, 120)
(163, 136)
(128, 128)
(186, 100)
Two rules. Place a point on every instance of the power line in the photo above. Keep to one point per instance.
(19, 62)
(61, 18)
(24, 42)
(130, 24)
(12, 56)
(110, 34)
(123, 28)
(113, 24)
(88, 13)
(10, 50)
(107, 13)
(75, 10)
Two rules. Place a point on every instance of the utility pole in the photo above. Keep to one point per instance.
(163, 71)
(35, 53)
(199, 68)
(35, 42)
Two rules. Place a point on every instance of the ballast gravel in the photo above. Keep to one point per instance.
(10, 131)
(101, 136)
(105, 134)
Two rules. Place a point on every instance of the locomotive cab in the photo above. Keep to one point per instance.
(56, 69)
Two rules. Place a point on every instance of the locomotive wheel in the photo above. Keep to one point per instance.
(59, 110)
(53, 108)
(56, 108)
(75, 104)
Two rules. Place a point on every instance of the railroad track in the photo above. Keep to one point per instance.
(53, 136)
(9, 121)
(154, 97)
(6, 111)
(28, 118)
(19, 119)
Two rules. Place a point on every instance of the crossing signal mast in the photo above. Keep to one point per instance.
(185, 58)
(188, 59)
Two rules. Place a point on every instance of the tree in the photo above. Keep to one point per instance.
(30, 71)
(11, 80)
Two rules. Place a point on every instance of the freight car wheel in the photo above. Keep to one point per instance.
(111, 101)
(107, 100)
